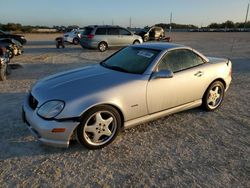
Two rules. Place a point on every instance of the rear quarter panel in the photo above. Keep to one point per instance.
(218, 68)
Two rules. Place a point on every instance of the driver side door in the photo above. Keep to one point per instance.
(186, 85)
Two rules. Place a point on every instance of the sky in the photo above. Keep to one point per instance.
(118, 12)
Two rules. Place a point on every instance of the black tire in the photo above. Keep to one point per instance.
(10, 53)
(213, 96)
(96, 125)
(145, 39)
(102, 46)
(136, 42)
(3, 73)
(75, 41)
(8, 70)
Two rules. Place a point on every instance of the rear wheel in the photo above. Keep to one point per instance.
(99, 127)
(102, 46)
(213, 96)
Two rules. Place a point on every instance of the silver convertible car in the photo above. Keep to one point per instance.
(137, 84)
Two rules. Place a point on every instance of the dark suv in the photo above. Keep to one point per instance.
(102, 37)
(151, 33)
(20, 38)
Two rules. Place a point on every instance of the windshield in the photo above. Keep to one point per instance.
(131, 60)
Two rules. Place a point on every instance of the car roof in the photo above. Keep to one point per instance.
(104, 26)
(160, 45)
(168, 46)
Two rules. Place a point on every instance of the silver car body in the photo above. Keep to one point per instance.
(112, 40)
(137, 97)
(70, 36)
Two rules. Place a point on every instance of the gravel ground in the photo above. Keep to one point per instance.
(189, 149)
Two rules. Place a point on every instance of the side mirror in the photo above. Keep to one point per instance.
(162, 74)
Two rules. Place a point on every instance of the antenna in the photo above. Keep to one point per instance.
(246, 16)
(130, 22)
(112, 22)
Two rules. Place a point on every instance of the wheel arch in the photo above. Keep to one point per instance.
(136, 40)
(105, 104)
(217, 79)
(103, 41)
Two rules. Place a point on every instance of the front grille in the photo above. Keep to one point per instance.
(32, 102)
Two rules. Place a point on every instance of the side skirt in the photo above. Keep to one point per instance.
(150, 117)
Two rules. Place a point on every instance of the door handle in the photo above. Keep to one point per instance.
(199, 73)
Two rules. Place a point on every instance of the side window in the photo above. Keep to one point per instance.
(100, 31)
(178, 60)
(113, 31)
(124, 32)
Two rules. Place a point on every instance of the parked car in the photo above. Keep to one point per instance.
(103, 37)
(19, 38)
(137, 84)
(73, 36)
(151, 33)
(13, 46)
(4, 64)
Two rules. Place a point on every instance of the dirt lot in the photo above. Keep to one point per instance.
(192, 148)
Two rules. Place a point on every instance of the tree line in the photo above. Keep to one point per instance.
(228, 24)
(17, 27)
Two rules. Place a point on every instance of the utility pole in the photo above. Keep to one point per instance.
(170, 22)
(246, 16)
(130, 22)
(112, 22)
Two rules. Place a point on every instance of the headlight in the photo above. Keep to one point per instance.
(51, 109)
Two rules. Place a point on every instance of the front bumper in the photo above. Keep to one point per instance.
(42, 129)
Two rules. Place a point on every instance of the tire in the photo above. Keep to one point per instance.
(213, 96)
(99, 127)
(8, 70)
(10, 53)
(75, 41)
(3, 73)
(145, 39)
(160, 37)
(102, 46)
(136, 42)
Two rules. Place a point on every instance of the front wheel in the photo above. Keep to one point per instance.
(136, 42)
(3, 73)
(145, 39)
(99, 127)
(8, 70)
(214, 95)
(75, 41)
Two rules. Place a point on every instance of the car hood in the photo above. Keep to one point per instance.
(78, 83)
(14, 35)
